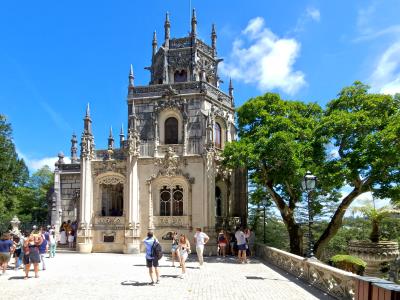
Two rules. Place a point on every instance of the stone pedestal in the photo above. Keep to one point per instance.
(84, 247)
(374, 254)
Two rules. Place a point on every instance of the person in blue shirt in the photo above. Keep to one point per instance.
(43, 248)
(150, 260)
(6, 247)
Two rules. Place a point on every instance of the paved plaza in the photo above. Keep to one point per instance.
(117, 276)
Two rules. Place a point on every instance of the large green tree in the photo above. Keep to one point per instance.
(364, 128)
(13, 172)
(278, 144)
(280, 140)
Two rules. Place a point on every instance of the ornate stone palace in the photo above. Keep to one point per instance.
(166, 174)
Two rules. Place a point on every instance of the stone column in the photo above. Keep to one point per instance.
(151, 213)
(56, 211)
(156, 137)
(84, 243)
(132, 235)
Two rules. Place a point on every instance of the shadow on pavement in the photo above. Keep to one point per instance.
(135, 283)
(169, 276)
(16, 277)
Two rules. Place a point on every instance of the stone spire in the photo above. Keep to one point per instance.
(74, 149)
(110, 140)
(194, 23)
(230, 87)
(214, 39)
(131, 77)
(167, 28)
(121, 136)
(132, 118)
(87, 122)
(154, 43)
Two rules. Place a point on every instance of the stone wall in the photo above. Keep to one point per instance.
(70, 187)
(335, 282)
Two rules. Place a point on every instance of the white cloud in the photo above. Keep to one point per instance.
(313, 13)
(260, 57)
(35, 164)
(386, 75)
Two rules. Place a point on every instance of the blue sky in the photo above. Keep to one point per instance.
(56, 56)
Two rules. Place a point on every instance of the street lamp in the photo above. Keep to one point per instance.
(308, 185)
(263, 210)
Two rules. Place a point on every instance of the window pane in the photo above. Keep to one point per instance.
(165, 201)
(171, 131)
(217, 135)
(177, 201)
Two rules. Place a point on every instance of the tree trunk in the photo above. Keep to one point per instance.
(336, 222)
(295, 238)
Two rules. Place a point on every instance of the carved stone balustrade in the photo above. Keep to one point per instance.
(337, 283)
(171, 221)
(177, 148)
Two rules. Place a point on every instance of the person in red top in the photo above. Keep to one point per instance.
(222, 242)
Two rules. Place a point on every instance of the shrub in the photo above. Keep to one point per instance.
(348, 263)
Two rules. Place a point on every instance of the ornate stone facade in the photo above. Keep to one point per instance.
(166, 176)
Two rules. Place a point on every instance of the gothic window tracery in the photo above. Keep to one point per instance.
(171, 198)
(171, 131)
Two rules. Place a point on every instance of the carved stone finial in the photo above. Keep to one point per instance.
(131, 77)
(194, 23)
(74, 149)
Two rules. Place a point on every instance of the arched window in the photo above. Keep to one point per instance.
(112, 199)
(165, 201)
(177, 196)
(217, 135)
(218, 202)
(180, 76)
(172, 198)
(171, 131)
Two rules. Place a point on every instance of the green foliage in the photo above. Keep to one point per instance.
(349, 263)
(280, 140)
(20, 194)
(376, 216)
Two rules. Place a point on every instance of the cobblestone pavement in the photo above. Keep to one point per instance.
(117, 276)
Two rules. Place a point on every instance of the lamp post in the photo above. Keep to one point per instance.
(263, 210)
(308, 185)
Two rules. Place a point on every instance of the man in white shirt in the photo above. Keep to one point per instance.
(200, 239)
(242, 245)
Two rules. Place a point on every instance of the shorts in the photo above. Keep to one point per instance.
(174, 248)
(152, 263)
(222, 244)
(4, 257)
(31, 258)
(17, 253)
(242, 247)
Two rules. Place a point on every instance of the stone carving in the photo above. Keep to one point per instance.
(111, 180)
(109, 220)
(113, 166)
(174, 221)
(337, 283)
(169, 165)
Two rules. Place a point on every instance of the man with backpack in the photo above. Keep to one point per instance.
(153, 254)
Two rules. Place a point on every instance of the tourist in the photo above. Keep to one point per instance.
(63, 236)
(233, 244)
(6, 248)
(184, 251)
(43, 248)
(53, 245)
(222, 242)
(200, 239)
(31, 252)
(70, 239)
(18, 244)
(174, 248)
(241, 244)
(151, 261)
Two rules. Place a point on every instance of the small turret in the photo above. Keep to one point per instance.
(230, 88)
(131, 77)
(87, 122)
(74, 149)
(194, 23)
(154, 43)
(214, 39)
(121, 137)
(110, 140)
(167, 28)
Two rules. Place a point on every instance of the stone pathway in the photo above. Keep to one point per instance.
(116, 276)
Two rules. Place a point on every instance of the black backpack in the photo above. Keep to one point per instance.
(156, 250)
